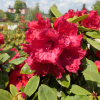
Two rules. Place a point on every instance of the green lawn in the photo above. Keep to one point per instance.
(4, 23)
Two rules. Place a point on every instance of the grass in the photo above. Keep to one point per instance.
(4, 23)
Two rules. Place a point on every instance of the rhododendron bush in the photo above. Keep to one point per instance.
(63, 61)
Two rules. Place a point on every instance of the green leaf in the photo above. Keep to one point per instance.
(6, 49)
(11, 54)
(79, 18)
(4, 57)
(82, 28)
(95, 44)
(26, 69)
(5, 95)
(86, 98)
(79, 90)
(35, 96)
(94, 34)
(22, 54)
(91, 76)
(55, 11)
(32, 85)
(3, 79)
(65, 80)
(17, 61)
(13, 90)
(46, 93)
(71, 19)
(91, 66)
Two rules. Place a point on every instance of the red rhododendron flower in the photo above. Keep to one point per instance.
(1, 39)
(92, 21)
(70, 14)
(98, 54)
(18, 79)
(98, 65)
(53, 49)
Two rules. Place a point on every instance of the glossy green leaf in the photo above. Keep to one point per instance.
(91, 66)
(13, 90)
(3, 79)
(4, 57)
(5, 95)
(94, 34)
(79, 90)
(92, 76)
(46, 93)
(22, 54)
(32, 85)
(71, 19)
(26, 69)
(55, 11)
(82, 28)
(86, 98)
(6, 49)
(79, 18)
(11, 54)
(65, 80)
(95, 44)
(17, 61)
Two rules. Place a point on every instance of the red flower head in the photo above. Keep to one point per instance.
(36, 26)
(1, 39)
(98, 65)
(92, 21)
(70, 14)
(98, 54)
(53, 49)
(18, 79)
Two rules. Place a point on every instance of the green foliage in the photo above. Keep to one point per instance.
(8, 16)
(17, 61)
(5, 95)
(32, 85)
(46, 93)
(65, 80)
(26, 69)
(1, 14)
(96, 6)
(20, 4)
(79, 90)
(51, 14)
(34, 11)
(13, 90)
(17, 17)
(30, 15)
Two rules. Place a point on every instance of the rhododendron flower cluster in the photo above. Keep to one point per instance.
(16, 78)
(1, 39)
(52, 50)
(92, 21)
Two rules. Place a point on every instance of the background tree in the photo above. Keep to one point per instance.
(8, 16)
(1, 14)
(17, 17)
(50, 14)
(30, 15)
(96, 6)
(19, 5)
(33, 11)
(84, 6)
